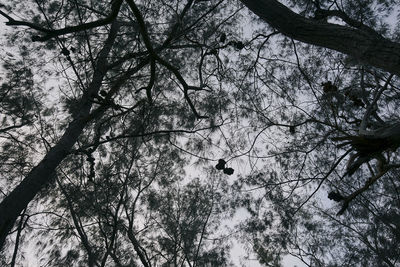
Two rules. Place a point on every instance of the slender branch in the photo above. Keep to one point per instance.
(371, 107)
(13, 22)
(78, 226)
(203, 230)
(13, 127)
(322, 181)
(49, 33)
(367, 185)
(17, 239)
(154, 55)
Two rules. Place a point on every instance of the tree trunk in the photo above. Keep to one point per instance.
(41, 175)
(365, 45)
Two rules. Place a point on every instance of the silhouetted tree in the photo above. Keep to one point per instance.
(105, 105)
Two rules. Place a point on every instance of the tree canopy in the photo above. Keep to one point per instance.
(134, 132)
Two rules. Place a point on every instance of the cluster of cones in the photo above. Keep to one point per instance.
(221, 166)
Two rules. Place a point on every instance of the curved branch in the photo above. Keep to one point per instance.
(48, 33)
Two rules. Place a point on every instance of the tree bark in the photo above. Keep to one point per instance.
(42, 174)
(364, 45)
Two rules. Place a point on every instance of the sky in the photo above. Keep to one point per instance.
(237, 252)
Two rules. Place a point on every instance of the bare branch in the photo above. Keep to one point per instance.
(49, 33)
(367, 185)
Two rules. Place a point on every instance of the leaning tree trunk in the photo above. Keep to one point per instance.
(368, 145)
(362, 43)
(371, 144)
(19, 198)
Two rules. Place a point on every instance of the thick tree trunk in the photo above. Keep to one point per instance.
(41, 175)
(364, 45)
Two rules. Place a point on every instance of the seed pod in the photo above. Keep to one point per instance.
(335, 196)
(221, 164)
(228, 171)
(222, 38)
